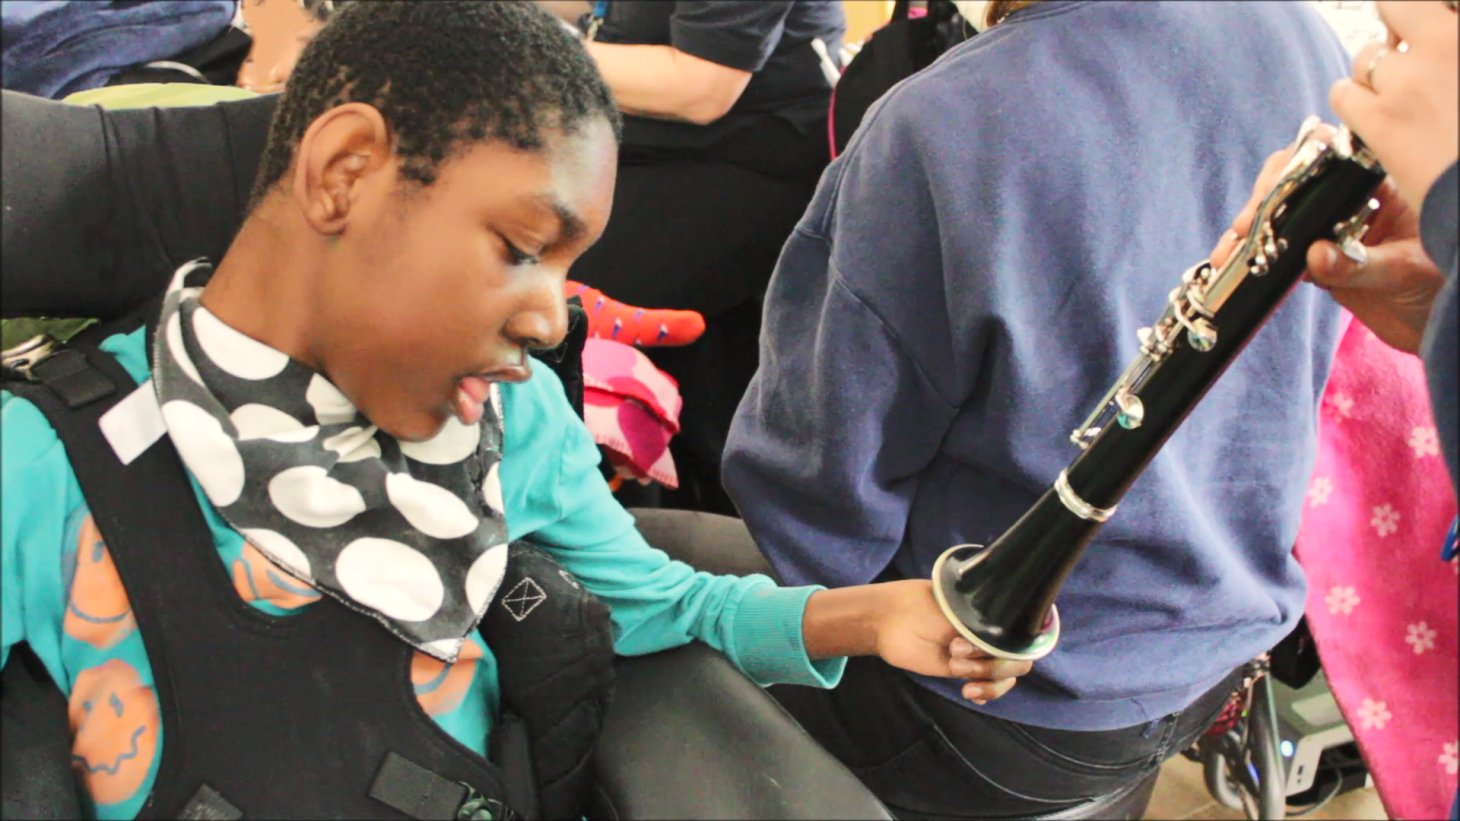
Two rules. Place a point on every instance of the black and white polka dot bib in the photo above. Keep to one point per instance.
(413, 534)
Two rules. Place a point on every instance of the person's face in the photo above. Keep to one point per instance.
(431, 293)
(280, 31)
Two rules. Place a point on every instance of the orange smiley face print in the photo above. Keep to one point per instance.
(114, 727)
(440, 687)
(97, 609)
(258, 579)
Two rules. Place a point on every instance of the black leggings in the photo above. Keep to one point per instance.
(926, 757)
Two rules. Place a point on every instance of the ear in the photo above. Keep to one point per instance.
(341, 150)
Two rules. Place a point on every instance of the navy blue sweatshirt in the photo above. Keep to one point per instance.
(967, 283)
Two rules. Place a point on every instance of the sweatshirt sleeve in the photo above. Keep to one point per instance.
(1441, 345)
(557, 497)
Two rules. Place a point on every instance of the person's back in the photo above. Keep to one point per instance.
(972, 273)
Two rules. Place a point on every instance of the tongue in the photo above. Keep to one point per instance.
(471, 396)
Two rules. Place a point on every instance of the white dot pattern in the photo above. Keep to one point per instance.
(330, 406)
(255, 421)
(485, 576)
(311, 497)
(290, 463)
(179, 353)
(454, 443)
(280, 551)
(236, 353)
(431, 509)
(355, 444)
(390, 577)
(208, 451)
(492, 490)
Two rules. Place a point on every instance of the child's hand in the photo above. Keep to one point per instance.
(902, 623)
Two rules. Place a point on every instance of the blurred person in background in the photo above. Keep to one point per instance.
(725, 135)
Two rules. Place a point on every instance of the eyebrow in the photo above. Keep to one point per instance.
(570, 225)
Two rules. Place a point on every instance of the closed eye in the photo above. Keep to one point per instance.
(517, 256)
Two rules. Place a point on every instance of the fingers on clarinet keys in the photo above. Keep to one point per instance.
(1350, 234)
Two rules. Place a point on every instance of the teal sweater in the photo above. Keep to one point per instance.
(68, 605)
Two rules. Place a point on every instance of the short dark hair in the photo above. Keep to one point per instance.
(445, 76)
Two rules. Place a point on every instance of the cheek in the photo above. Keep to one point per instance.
(426, 293)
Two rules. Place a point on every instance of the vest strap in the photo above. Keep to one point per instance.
(404, 785)
(69, 375)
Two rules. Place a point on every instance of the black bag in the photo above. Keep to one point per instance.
(893, 53)
(215, 62)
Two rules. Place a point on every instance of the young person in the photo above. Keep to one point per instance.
(364, 432)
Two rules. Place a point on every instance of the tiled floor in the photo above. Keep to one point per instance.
(1181, 794)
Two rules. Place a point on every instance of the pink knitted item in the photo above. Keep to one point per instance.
(631, 408)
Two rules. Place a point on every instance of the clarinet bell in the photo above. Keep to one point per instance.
(969, 591)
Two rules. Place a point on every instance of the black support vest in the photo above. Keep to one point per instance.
(314, 715)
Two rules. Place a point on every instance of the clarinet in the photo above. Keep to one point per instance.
(1001, 597)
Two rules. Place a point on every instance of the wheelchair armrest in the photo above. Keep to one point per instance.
(36, 780)
(705, 541)
(689, 736)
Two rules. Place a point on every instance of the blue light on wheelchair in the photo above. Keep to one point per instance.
(1287, 748)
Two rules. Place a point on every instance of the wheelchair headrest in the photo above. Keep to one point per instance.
(100, 207)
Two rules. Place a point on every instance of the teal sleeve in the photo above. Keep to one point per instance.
(555, 494)
(38, 492)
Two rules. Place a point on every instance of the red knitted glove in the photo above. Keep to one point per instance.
(644, 327)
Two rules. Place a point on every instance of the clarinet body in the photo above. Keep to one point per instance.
(1001, 597)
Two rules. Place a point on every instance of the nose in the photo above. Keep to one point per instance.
(542, 321)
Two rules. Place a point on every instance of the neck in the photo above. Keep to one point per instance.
(264, 287)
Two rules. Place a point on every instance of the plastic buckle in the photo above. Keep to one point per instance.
(477, 808)
(23, 358)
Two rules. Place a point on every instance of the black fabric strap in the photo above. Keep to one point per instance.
(208, 805)
(74, 380)
(512, 752)
(416, 791)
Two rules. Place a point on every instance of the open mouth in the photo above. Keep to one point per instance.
(473, 392)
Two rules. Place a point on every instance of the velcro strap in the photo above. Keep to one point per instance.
(207, 805)
(73, 379)
(416, 791)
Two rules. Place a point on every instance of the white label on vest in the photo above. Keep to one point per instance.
(134, 424)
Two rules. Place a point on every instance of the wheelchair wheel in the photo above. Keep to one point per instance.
(1242, 767)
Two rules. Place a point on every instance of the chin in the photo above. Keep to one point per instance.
(417, 427)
